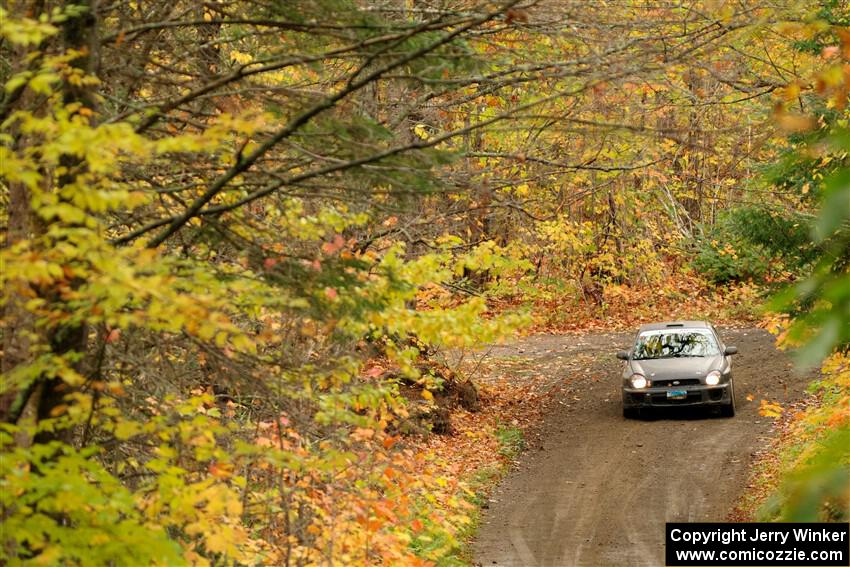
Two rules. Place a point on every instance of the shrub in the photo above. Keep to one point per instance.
(754, 243)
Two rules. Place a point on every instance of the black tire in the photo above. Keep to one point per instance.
(631, 413)
(728, 410)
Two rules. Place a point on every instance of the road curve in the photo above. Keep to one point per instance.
(595, 489)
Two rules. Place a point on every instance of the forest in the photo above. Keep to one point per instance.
(252, 252)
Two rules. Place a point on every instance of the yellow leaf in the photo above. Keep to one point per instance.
(770, 409)
(421, 130)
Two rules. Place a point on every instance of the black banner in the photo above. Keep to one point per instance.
(757, 544)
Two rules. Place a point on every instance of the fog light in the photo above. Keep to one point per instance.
(713, 378)
(638, 381)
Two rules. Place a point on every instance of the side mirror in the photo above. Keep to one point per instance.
(730, 350)
(623, 355)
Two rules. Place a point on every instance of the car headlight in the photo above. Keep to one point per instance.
(713, 378)
(638, 381)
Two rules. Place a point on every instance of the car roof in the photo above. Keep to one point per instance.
(674, 325)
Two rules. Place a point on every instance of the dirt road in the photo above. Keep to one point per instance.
(594, 489)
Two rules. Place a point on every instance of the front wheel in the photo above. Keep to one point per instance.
(728, 410)
(631, 413)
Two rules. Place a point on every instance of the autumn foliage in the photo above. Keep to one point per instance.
(242, 239)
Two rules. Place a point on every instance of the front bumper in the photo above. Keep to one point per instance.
(697, 395)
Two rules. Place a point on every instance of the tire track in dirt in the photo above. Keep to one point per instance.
(597, 489)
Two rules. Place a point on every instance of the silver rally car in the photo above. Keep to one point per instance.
(679, 363)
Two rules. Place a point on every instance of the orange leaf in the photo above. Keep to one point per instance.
(374, 372)
(334, 246)
(221, 470)
(58, 410)
(361, 434)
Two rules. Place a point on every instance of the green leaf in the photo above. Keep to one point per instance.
(836, 205)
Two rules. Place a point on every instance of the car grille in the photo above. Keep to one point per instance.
(669, 383)
(663, 400)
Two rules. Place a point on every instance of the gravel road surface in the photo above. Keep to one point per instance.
(594, 488)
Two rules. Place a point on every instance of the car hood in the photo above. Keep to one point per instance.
(685, 367)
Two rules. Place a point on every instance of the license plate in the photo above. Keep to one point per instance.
(677, 394)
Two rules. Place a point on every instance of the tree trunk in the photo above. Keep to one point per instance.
(19, 331)
(21, 334)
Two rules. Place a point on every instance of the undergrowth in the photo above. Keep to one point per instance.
(805, 474)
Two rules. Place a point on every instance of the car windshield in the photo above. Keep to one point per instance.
(675, 343)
